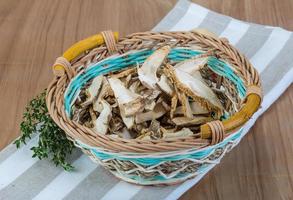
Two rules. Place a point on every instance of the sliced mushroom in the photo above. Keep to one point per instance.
(93, 90)
(116, 122)
(194, 88)
(155, 126)
(156, 113)
(134, 86)
(184, 121)
(128, 121)
(152, 132)
(186, 108)
(170, 130)
(80, 115)
(151, 94)
(128, 102)
(184, 132)
(147, 73)
(105, 91)
(150, 106)
(196, 109)
(150, 99)
(164, 104)
(101, 124)
(127, 80)
(145, 136)
(165, 86)
(193, 65)
(223, 92)
(125, 134)
(92, 114)
(124, 73)
(174, 102)
(139, 127)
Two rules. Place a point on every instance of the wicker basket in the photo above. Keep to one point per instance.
(163, 161)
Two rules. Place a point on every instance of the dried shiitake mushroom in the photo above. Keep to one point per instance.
(153, 100)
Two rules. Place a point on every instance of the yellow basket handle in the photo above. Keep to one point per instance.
(80, 47)
(252, 103)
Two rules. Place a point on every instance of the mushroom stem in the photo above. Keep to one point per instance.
(147, 73)
(101, 124)
(158, 112)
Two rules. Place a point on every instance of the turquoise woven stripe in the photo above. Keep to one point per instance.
(225, 70)
(150, 161)
(132, 59)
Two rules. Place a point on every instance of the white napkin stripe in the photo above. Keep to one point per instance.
(17, 163)
(191, 19)
(235, 31)
(274, 44)
(65, 182)
(123, 191)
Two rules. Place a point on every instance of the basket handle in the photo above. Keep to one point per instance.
(59, 68)
(252, 103)
(216, 130)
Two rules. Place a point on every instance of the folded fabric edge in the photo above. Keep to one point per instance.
(182, 6)
(173, 16)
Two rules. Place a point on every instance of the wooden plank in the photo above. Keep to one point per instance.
(34, 33)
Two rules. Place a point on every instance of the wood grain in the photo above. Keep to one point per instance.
(34, 32)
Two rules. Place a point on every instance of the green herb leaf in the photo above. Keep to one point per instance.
(52, 143)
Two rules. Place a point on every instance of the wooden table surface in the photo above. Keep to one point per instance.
(34, 32)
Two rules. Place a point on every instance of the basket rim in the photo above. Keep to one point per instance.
(74, 130)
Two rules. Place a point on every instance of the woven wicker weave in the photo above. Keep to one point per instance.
(163, 161)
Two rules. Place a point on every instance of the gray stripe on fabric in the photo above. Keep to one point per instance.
(278, 67)
(7, 151)
(215, 22)
(253, 40)
(99, 182)
(154, 192)
(173, 16)
(33, 180)
(11, 148)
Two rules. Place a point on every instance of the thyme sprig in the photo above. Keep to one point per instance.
(52, 143)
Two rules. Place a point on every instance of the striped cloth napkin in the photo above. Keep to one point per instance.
(270, 50)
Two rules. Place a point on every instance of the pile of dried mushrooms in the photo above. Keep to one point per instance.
(150, 101)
